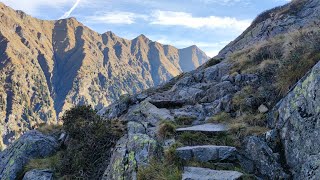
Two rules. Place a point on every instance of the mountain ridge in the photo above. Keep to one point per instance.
(54, 65)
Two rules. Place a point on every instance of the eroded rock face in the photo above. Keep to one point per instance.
(297, 119)
(31, 145)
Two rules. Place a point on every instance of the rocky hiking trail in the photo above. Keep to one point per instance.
(223, 158)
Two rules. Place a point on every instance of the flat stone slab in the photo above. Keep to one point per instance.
(207, 153)
(196, 173)
(205, 128)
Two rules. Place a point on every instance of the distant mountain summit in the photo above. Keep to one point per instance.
(46, 67)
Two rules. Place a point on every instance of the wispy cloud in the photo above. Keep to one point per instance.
(33, 6)
(116, 17)
(170, 18)
(68, 13)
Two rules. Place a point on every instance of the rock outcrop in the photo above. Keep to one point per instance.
(296, 119)
(31, 145)
(51, 66)
(261, 160)
(280, 20)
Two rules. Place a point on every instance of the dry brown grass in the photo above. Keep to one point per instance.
(284, 58)
(220, 118)
(49, 128)
(166, 130)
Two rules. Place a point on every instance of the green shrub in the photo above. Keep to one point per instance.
(90, 144)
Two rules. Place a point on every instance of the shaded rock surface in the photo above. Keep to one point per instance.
(195, 173)
(208, 153)
(262, 161)
(297, 120)
(37, 174)
(31, 145)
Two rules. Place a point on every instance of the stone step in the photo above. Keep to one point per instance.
(207, 153)
(205, 128)
(196, 173)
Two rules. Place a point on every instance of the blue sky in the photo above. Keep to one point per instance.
(209, 24)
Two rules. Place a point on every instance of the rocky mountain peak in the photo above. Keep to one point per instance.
(51, 66)
(243, 115)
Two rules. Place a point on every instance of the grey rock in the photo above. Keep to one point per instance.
(266, 164)
(135, 127)
(269, 26)
(273, 139)
(297, 118)
(37, 174)
(310, 169)
(218, 91)
(168, 142)
(31, 145)
(131, 152)
(209, 128)
(207, 153)
(195, 173)
(215, 73)
(141, 97)
(238, 78)
(263, 109)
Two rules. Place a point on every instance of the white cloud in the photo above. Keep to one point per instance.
(33, 6)
(170, 18)
(68, 13)
(116, 17)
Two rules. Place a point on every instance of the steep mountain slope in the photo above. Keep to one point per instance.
(46, 67)
(253, 108)
(237, 88)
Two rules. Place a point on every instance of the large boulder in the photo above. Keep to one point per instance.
(131, 152)
(297, 119)
(31, 145)
(38, 174)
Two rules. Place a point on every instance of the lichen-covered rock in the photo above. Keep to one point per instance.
(38, 174)
(261, 159)
(131, 152)
(297, 119)
(31, 145)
